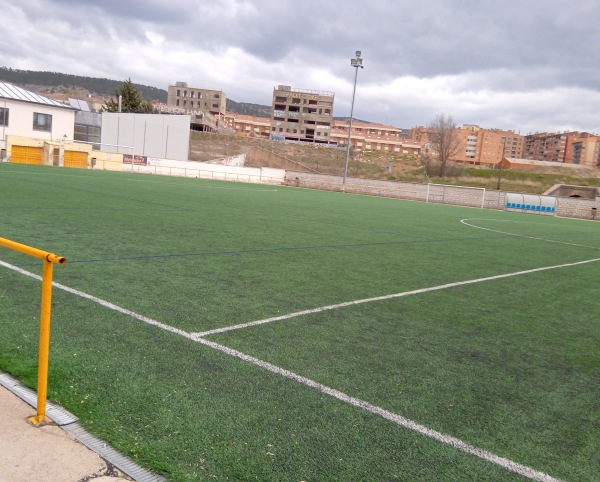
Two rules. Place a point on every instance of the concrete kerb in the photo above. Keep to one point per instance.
(69, 424)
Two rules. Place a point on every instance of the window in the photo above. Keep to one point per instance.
(42, 122)
(3, 116)
(87, 133)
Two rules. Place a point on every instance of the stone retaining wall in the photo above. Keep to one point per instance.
(436, 193)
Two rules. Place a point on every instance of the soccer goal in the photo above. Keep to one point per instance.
(458, 195)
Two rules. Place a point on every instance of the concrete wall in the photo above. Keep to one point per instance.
(578, 208)
(169, 167)
(107, 161)
(455, 195)
(154, 135)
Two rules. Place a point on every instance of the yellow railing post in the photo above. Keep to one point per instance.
(44, 349)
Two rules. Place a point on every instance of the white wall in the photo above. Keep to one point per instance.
(168, 167)
(153, 135)
(20, 121)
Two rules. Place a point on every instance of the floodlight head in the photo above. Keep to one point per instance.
(357, 62)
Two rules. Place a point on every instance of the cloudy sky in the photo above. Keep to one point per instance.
(527, 65)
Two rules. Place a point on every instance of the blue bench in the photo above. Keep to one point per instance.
(531, 207)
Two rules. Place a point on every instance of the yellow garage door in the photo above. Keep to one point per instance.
(76, 159)
(27, 155)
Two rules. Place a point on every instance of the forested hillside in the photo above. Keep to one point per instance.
(94, 85)
(107, 87)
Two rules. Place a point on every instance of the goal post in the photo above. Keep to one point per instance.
(49, 260)
(457, 195)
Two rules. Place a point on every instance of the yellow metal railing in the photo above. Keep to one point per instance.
(49, 259)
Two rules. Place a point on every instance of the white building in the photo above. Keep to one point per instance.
(26, 114)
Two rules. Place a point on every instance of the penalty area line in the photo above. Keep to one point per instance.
(466, 223)
(385, 297)
(454, 442)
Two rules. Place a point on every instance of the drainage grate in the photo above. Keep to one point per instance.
(68, 422)
(105, 451)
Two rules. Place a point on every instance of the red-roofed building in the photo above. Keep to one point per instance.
(249, 125)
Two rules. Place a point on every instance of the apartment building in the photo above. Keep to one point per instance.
(586, 151)
(477, 145)
(487, 146)
(249, 125)
(368, 136)
(554, 147)
(420, 134)
(302, 115)
(207, 107)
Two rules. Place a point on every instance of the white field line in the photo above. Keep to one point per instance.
(392, 417)
(386, 297)
(464, 221)
(102, 302)
(375, 410)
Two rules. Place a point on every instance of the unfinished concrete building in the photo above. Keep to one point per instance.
(302, 115)
(206, 107)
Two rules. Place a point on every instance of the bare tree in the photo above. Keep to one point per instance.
(444, 139)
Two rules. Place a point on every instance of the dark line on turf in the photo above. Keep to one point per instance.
(268, 250)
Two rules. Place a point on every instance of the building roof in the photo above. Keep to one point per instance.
(12, 92)
(247, 118)
(79, 104)
(345, 123)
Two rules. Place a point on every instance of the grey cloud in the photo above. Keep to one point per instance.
(483, 49)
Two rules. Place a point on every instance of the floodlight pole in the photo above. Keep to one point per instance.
(356, 63)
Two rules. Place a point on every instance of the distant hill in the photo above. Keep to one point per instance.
(94, 85)
(74, 84)
(107, 88)
(248, 109)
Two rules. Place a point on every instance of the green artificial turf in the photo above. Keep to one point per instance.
(508, 365)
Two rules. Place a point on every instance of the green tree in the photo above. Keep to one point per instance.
(131, 100)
